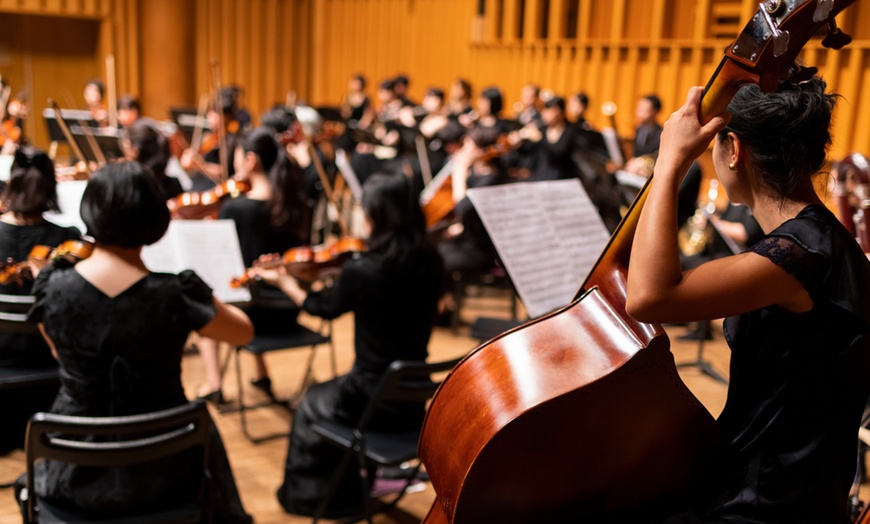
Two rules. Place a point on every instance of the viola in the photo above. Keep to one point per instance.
(193, 205)
(554, 421)
(310, 263)
(71, 250)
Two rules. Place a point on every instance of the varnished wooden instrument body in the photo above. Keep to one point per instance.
(580, 416)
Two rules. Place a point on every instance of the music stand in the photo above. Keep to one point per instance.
(185, 118)
(107, 140)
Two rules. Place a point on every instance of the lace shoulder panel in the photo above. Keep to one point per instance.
(796, 260)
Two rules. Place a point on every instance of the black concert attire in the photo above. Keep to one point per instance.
(647, 138)
(258, 237)
(119, 356)
(20, 350)
(553, 160)
(471, 250)
(394, 312)
(799, 384)
(586, 138)
(200, 181)
(717, 247)
(530, 115)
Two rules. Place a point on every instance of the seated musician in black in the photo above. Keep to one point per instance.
(586, 137)
(118, 331)
(465, 245)
(144, 143)
(30, 192)
(550, 145)
(393, 291)
(271, 218)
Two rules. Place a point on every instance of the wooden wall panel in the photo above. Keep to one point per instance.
(623, 49)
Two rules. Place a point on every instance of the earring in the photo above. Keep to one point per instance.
(732, 167)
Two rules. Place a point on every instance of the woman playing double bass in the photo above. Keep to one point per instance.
(798, 303)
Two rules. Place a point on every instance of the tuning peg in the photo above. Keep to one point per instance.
(836, 39)
(802, 74)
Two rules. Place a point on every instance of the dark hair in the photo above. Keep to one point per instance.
(437, 92)
(388, 85)
(402, 79)
(398, 226)
(786, 132)
(484, 136)
(152, 149)
(96, 82)
(287, 208)
(278, 119)
(556, 101)
(583, 98)
(124, 205)
(361, 79)
(466, 86)
(129, 102)
(493, 94)
(654, 101)
(32, 186)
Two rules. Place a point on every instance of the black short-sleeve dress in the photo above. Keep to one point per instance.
(121, 355)
(799, 384)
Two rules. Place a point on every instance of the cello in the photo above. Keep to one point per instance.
(607, 382)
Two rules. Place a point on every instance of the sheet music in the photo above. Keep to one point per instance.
(209, 247)
(548, 234)
(69, 200)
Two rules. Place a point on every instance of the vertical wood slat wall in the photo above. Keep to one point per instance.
(615, 50)
(623, 49)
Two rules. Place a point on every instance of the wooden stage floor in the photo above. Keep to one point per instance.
(259, 468)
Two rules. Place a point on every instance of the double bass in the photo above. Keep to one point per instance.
(580, 415)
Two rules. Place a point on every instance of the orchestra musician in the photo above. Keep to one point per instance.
(30, 192)
(129, 111)
(204, 165)
(586, 137)
(459, 98)
(797, 302)
(393, 291)
(550, 145)
(530, 105)
(144, 143)
(94, 93)
(356, 108)
(118, 331)
(646, 135)
(270, 218)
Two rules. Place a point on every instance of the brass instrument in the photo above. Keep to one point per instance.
(696, 233)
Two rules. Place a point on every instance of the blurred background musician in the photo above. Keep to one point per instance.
(203, 165)
(647, 135)
(528, 109)
(94, 93)
(30, 192)
(271, 218)
(144, 143)
(459, 98)
(129, 111)
(586, 137)
(549, 145)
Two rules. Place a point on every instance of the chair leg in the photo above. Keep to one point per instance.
(359, 447)
(240, 394)
(333, 485)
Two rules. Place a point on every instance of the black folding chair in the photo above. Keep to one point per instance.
(168, 432)
(404, 381)
(298, 337)
(13, 319)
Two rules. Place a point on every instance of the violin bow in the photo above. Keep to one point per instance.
(221, 131)
(68, 135)
(196, 139)
(111, 93)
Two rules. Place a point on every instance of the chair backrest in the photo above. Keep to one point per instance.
(405, 381)
(168, 432)
(13, 314)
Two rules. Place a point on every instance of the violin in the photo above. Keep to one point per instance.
(310, 263)
(71, 250)
(554, 421)
(194, 206)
